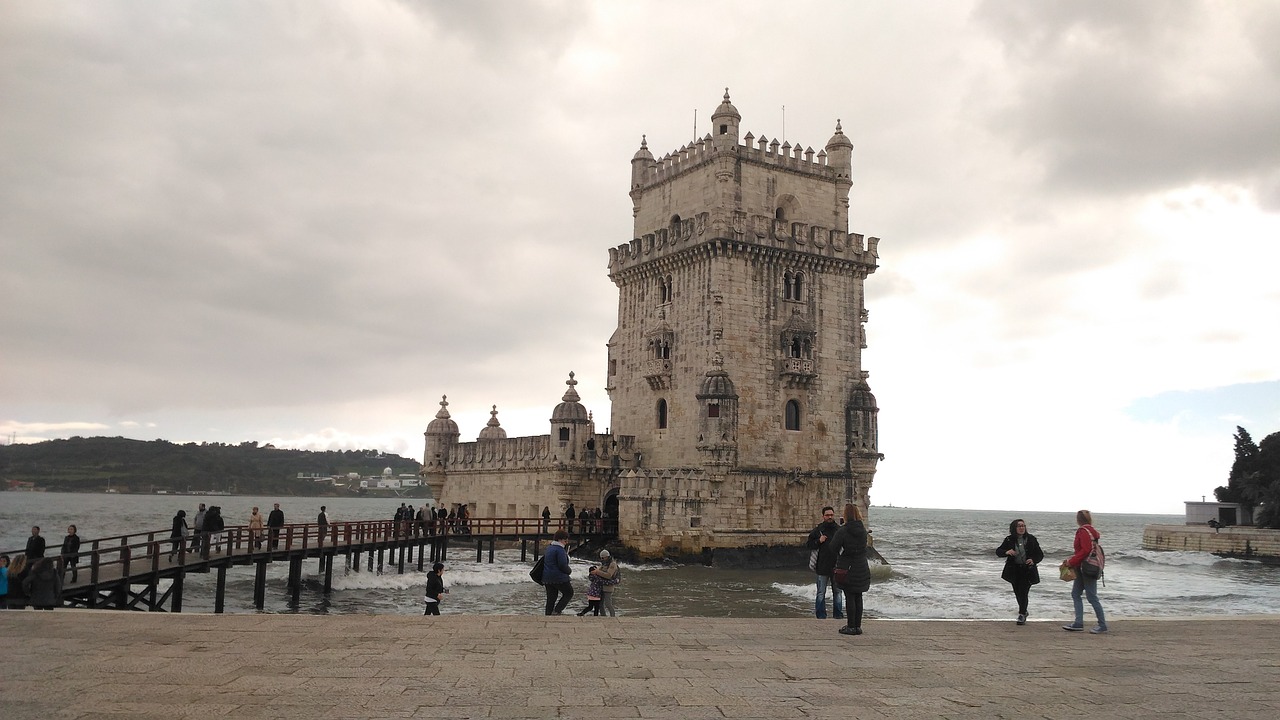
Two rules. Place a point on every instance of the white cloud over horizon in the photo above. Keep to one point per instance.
(304, 223)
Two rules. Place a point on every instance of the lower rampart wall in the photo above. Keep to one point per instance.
(1246, 543)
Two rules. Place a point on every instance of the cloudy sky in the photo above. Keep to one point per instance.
(302, 223)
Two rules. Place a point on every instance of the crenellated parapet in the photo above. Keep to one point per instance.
(753, 228)
(535, 452)
(762, 150)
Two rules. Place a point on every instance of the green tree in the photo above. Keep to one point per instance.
(1246, 455)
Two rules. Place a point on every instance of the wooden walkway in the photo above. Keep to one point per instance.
(126, 572)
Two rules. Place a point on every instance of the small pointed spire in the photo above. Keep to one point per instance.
(571, 395)
(443, 414)
(493, 417)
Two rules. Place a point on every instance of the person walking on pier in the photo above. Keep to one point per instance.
(35, 544)
(851, 542)
(197, 525)
(275, 521)
(43, 585)
(1086, 537)
(214, 524)
(255, 528)
(555, 574)
(322, 526)
(71, 551)
(1021, 552)
(435, 589)
(824, 565)
(177, 533)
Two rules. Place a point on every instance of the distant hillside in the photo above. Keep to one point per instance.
(88, 464)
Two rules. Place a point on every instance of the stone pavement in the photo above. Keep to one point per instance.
(100, 664)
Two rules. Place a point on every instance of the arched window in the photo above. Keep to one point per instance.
(797, 287)
(793, 415)
(780, 213)
(786, 286)
(665, 351)
(795, 347)
(662, 414)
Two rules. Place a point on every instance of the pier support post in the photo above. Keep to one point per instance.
(175, 594)
(260, 585)
(220, 592)
(379, 561)
(328, 573)
(491, 543)
(295, 580)
(422, 550)
(524, 549)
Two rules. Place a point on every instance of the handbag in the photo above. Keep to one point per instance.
(813, 560)
(535, 574)
(841, 576)
(1066, 573)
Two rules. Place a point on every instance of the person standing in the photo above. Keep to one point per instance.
(1086, 536)
(43, 585)
(1021, 552)
(322, 526)
(17, 597)
(35, 544)
(4, 581)
(851, 542)
(71, 551)
(177, 532)
(570, 514)
(555, 574)
(213, 527)
(275, 521)
(546, 519)
(435, 589)
(197, 528)
(610, 575)
(825, 564)
(256, 524)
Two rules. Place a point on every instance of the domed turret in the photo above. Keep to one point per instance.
(492, 430)
(640, 163)
(718, 424)
(840, 153)
(570, 410)
(860, 398)
(443, 424)
(725, 121)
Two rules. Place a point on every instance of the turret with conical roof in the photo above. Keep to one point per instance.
(725, 120)
(441, 435)
(570, 426)
(492, 430)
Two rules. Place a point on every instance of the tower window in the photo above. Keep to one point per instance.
(564, 434)
(613, 367)
(662, 414)
(793, 415)
(713, 410)
(724, 129)
(797, 287)
(786, 286)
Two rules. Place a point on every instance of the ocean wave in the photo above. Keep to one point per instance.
(1180, 558)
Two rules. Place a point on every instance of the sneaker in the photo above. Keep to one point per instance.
(1022, 619)
(1098, 629)
(1073, 627)
(846, 630)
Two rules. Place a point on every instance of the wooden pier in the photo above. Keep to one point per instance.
(125, 572)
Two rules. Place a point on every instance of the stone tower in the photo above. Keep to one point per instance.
(738, 350)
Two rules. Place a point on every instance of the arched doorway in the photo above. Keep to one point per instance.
(611, 512)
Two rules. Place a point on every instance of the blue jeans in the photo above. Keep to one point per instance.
(1090, 589)
(820, 602)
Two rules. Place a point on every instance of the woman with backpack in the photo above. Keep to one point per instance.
(1086, 538)
(1021, 552)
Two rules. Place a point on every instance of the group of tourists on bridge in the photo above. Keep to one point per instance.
(31, 578)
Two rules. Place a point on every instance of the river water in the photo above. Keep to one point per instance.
(943, 567)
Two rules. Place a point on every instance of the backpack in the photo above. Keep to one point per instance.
(535, 574)
(813, 560)
(1091, 567)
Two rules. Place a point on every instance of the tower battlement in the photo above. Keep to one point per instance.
(761, 150)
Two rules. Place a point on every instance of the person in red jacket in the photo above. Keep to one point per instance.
(1086, 536)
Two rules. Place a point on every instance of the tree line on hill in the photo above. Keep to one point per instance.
(95, 464)
(1255, 478)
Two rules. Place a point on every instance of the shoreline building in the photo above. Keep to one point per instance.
(739, 406)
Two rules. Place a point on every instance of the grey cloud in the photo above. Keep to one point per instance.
(1127, 98)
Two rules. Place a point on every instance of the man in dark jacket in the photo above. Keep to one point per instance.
(435, 589)
(35, 544)
(825, 565)
(275, 521)
(555, 574)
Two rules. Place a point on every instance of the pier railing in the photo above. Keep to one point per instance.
(124, 555)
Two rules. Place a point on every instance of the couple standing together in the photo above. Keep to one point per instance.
(841, 561)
